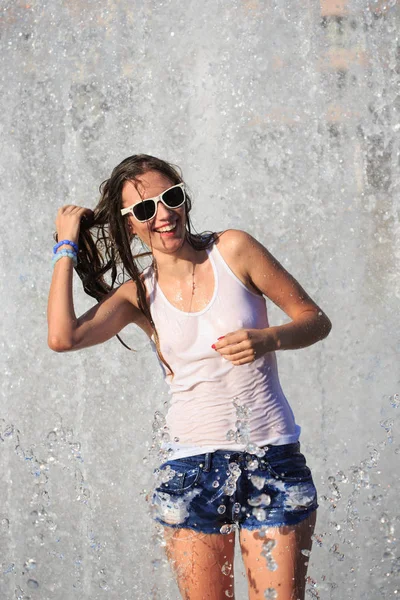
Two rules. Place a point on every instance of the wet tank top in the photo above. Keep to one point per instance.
(215, 404)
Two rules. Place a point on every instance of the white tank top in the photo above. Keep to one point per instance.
(215, 404)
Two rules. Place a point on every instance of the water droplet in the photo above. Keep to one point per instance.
(51, 525)
(229, 593)
(235, 469)
(342, 477)
(221, 509)
(387, 424)
(230, 436)
(317, 539)
(272, 565)
(252, 465)
(215, 484)
(259, 514)
(264, 500)
(32, 583)
(226, 568)
(30, 564)
(104, 585)
(306, 552)
(260, 452)
(9, 430)
(236, 508)
(258, 482)
(9, 568)
(335, 550)
(269, 545)
(270, 594)
(227, 528)
(229, 489)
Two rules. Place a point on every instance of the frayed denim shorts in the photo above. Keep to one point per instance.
(225, 490)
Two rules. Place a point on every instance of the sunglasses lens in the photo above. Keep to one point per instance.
(145, 210)
(174, 197)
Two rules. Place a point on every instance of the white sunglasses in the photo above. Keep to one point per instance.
(146, 210)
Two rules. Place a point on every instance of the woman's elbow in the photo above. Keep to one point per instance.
(326, 327)
(58, 345)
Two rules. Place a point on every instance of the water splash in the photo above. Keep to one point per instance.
(228, 528)
(226, 568)
(266, 552)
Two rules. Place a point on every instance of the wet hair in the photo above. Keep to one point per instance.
(105, 241)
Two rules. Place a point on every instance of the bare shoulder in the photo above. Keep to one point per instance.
(233, 241)
(235, 247)
(129, 291)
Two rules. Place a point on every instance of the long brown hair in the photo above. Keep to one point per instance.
(105, 243)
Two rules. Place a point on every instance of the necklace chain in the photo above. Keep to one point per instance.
(193, 282)
(193, 289)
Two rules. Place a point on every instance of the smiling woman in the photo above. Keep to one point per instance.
(235, 463)
(167, 219)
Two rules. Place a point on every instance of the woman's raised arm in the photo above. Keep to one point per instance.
(102, 321)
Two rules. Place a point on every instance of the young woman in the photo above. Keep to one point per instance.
(234, 466)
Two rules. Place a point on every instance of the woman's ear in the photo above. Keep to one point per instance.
(131, 228)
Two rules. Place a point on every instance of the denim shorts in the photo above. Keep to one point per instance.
(225, 490)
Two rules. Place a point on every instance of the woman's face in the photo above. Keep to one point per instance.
(150, 185)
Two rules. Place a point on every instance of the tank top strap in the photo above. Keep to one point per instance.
(225, 274)
(148, 279)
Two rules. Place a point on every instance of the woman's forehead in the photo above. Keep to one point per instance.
(144, 187)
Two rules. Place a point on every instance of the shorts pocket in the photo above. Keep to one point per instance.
(290, 468)
(177, 478)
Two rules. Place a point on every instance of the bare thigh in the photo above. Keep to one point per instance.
(273, 560)
(202, 563)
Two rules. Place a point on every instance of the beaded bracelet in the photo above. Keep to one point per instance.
(68, 243)
(67, 253)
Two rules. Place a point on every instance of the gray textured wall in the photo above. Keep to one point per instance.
(285, 125)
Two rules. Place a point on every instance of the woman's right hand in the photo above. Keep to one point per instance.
(69, 221)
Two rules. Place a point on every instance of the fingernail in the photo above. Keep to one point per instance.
(221, 338)
(213, 346)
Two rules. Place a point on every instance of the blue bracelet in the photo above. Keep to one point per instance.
(62, 253)
(68, 242)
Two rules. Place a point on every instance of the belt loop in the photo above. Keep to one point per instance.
(207, 466)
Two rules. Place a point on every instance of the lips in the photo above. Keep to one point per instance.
(167, 228)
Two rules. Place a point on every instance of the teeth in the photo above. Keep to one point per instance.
(167, 228)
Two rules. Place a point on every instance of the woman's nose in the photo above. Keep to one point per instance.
(163, 212)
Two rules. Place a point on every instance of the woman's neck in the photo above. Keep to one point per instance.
(179, 264)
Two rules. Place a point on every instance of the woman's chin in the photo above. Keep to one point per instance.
(170, 241)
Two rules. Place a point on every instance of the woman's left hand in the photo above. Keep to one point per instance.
(245, 345)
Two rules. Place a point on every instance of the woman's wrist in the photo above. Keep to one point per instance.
(64, 247)
(66, 241)
(70, 254)
(305, 330)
